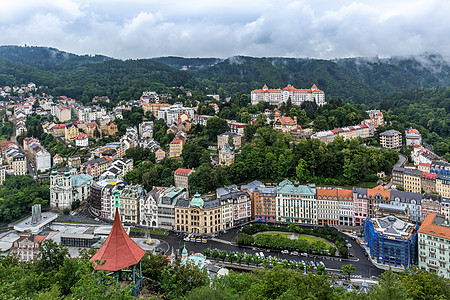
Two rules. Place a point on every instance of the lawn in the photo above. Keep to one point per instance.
(149, 231)
(308, 238)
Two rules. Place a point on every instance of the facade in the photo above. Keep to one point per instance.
(70, 132)
(284, 125)
(198, 215)
(39, 156)
(391, 241)
(391, 139)
(27, 247)
(166, 206)
(242, 204)
(360, 206)
(265, 203)
(111, 129)
(222, 140)
(130, 198)
(334, 206)
(428, 181)
(413, 137)
(94, 167)
(443, 185)
(412, 201)
(81, 140)
(15, 157)
(297, 96)
(226, 156)
(67, 188)
(445, 208)
(181, 178)
(296, 203)
(175, 148)
(175, 112)
(160, 154)
(149, 208)
(153, 108)
(434, 245)
(397, 176)
(431, 204)
(377, 195)
(412, 180)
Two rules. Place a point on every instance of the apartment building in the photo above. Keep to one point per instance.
(434, 245)
(428, 182)
(223, 140)
(412, 180)
(70, 132)
(391, 139)
(431, 204)
(149, 208)
(198, 215)
(181, 178)
(130, 198)
(175, 148)
(296, 203)
(242, 204)
(94, 167)
(412, 201)
(443, 185)
(166, 206)
(265, 203)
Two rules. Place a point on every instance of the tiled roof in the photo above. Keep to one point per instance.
(435, 225)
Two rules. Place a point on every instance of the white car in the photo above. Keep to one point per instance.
(284, 251)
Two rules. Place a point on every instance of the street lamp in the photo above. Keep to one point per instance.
(370, 272)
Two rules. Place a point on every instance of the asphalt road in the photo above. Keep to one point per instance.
(364, 268)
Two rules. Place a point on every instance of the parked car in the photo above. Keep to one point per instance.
(304, 254)
(294, 253)
(284, 251)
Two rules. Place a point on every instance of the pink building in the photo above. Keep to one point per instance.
(360, 206)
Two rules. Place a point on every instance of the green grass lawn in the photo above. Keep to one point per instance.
(149, 231)
(308, 238)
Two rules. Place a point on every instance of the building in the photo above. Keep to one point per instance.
(431, 204)
(376, 116)
(93, 130)
(67, 188)
(118, 147)
(226, 156)
(224, 138)
(327, 207)
(297, 96)
(428, 182)
(181, 178)
(94, 167)
(397, 176)
(284, 125)
(146, 130)
(347, 133)
(443, 185)
(153, 108)
(242, 204)
(27, 247)
(81, 140)
(130, 197)
(118, 169)
(175, 148)
(16, 158)
(265, 203)
(166, 206)
(412, 180)
(149, 208)
(237, 127)
(160, 154)
(377, 195)
(413, 137)
(360, 206)
(63, 113)
(424, 167)
(70, 132)
(74, 162)
(434, 245)
(198, 215)
(111, 129)
(445, 208)
(391, 241)
(38, 155)
(58, 130)
(296, 203)
(391, 139)
(398, 211)
(175, 112)
(412, 201)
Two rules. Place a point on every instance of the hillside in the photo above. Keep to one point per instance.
(191, 64)
(358, 80)
(83, 77)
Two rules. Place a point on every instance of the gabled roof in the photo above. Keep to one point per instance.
(118, 251)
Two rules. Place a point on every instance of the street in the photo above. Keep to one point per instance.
(364, 268)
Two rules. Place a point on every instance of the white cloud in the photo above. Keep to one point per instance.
(148, 28)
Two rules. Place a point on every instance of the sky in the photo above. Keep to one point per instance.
(212, 28)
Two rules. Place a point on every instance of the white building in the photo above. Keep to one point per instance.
(434, 245)
(242, 205)
(149, 208)
(227, 213)
(67, 188)
(82, 140)
(297, 96)
(413, 137)
(175, 112)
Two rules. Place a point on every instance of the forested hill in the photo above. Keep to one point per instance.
(191, 64)
(359, 80)
(83, 77)
(48, 58)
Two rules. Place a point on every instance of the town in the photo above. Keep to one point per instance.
(101, 161)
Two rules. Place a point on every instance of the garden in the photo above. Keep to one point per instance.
(309, 240)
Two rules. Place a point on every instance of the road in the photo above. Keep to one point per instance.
(364, 268)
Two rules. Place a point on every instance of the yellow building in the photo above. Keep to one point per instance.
(111, 129)
(175, 148)
(71, 131)
(443, 185)
(198, 215)
(412, 181)
(226, 156)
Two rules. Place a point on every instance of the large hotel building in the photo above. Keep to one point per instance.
(278, 96)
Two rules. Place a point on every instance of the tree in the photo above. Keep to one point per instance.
(389, 287)
(285, 263)
(207, 252)
(153, 265)
(274, 262)
(52, 255)
(223, 255)
(240, 257)
(214, 253)
(248, 258)
(178, 279)
(231, 257)
(347, 270)
(320, 270)
(215, 126)
(302, 170)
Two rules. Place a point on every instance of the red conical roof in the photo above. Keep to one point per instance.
(119, 250)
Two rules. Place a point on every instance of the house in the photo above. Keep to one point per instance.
(111, 129)
(284, 125)
(93, 130)
(81, 140)
(226, 156)
(413, 137)
(175, 148)
(57, 159)
(181, 178)
(391, 139)
(224, 138)
(160, 154)
(71, 131)
(296, 96)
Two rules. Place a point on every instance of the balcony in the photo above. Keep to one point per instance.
(422, 243)
(433, 266)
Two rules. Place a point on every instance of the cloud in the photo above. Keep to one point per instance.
(148, 28)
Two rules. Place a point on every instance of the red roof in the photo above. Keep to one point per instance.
(428, 227)
(183, 171)
(119, 250)
(82, 136)
(176, 141)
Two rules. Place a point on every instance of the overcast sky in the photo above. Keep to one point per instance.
(213, 28)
